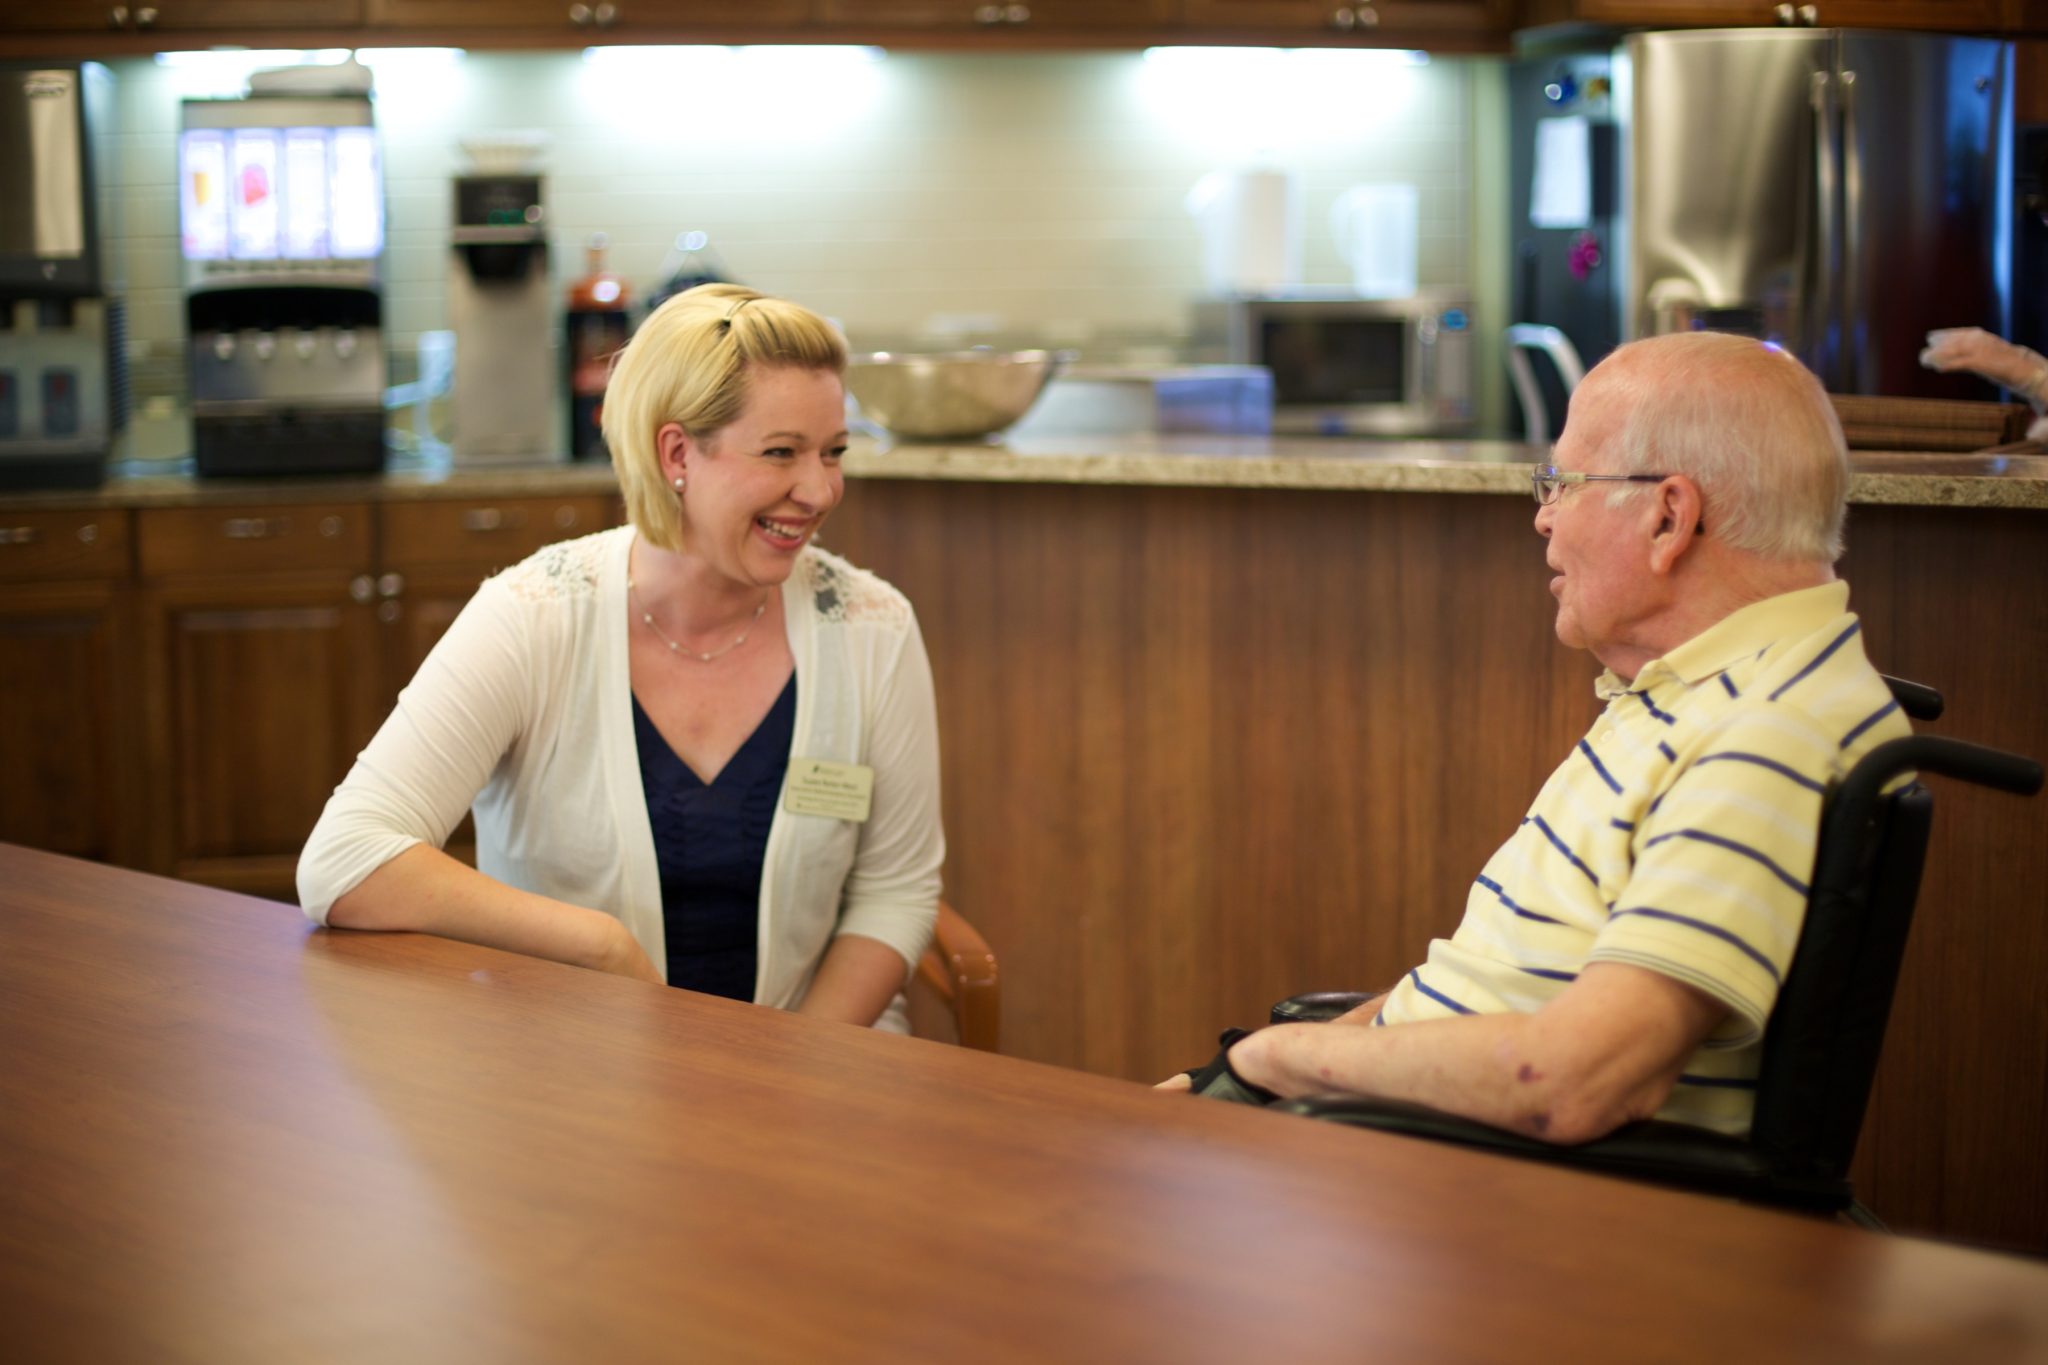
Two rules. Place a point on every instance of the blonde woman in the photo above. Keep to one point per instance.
(700, 749)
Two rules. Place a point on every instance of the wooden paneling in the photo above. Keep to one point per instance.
(1207, 748)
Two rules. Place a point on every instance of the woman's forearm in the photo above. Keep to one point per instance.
(426, 891)
(855, 982)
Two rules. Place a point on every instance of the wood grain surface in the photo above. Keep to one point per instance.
(1207, 748)
(229, 1137)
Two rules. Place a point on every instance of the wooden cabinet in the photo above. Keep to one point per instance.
(437, 551)
(68, 737)
(276, 640)
(170, 16)
(1012, 16)
(263, 676)
(1949, 16)
(583, 20)
(184, 686)
(1377, 18)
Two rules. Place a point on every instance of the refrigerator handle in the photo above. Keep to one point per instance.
(1856, 367)
(1819, 325)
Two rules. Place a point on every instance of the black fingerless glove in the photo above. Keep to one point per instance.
(1217, 1081)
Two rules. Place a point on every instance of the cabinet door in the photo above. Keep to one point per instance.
(66, 16)
(262, 694)
(591, 18)
(984, 14)
(264, 669)
(1951, 16)
(1342, 19)
(69, 745)
(65, 722)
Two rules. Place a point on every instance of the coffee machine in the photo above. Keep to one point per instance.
(499, 302)
(63, 323)
(281, 213)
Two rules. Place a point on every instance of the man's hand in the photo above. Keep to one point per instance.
(1979, 352)
(1217, 1081)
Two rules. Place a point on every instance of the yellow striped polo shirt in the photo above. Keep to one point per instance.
(1678, 836)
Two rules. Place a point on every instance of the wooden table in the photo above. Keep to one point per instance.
(227, 1137)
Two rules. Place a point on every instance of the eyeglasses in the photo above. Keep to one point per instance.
(1547, 481)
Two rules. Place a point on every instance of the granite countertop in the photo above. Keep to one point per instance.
(1987, 479)
(2016, 478)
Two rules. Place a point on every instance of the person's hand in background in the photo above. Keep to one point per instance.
(1978, 351)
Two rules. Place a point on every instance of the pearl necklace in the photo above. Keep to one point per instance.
(647, 617)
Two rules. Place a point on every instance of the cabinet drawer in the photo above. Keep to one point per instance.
(234, 540)
(43, 545)
(488, 533)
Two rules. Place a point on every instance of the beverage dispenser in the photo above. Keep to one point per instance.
(281, 211)
(63, 324)
(503, 314)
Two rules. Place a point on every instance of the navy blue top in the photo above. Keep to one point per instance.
(709, 843)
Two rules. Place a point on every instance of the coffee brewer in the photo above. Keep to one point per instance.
(281, 208)
(499, 302)
(63, 324)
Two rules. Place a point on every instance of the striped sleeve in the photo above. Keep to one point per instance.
(1723, 861)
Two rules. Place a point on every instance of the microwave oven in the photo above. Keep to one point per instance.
(1347, 366)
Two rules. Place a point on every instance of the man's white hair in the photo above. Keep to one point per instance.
(1746, 422)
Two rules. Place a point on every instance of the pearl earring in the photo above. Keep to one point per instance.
(679, 485)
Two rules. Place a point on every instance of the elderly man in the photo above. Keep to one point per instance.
(1620, 954)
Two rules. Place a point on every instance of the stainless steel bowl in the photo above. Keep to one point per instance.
(958, 396)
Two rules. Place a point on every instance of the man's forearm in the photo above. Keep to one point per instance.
(1606, 1052)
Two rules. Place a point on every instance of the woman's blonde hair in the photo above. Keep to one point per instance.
(690, 363)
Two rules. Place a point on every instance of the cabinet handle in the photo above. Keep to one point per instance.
(145, 17)
(579, 15)
(361, 589)
(988, 14)
(330, 527)
(1017, 14)
(88, 533)
(1343, 18)
(605, 15)
(390, 585)
(388, 612)
(255, 528)
(117, 17)
(565, 517)
(482, 519)
(19, 535)
(1809, 15)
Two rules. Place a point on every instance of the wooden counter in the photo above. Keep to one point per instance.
(228, 1137)
(1221, 721)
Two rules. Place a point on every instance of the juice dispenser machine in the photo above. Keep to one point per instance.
(281, 210)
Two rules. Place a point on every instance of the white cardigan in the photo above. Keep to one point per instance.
(524, 709)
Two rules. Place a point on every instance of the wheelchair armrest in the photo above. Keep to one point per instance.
(1317, 1007)
(1668, 1153)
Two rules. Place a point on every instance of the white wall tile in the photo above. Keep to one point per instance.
(1045, 190)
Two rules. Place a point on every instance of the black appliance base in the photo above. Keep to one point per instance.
(24, 473)
(288, 443)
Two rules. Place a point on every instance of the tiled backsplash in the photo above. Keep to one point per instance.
(1043, 191)
(917, 198)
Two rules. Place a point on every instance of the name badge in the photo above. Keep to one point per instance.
(837, 791)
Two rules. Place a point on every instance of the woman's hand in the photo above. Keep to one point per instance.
(1979, 352)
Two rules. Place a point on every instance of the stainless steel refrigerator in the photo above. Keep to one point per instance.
(1841, 191)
